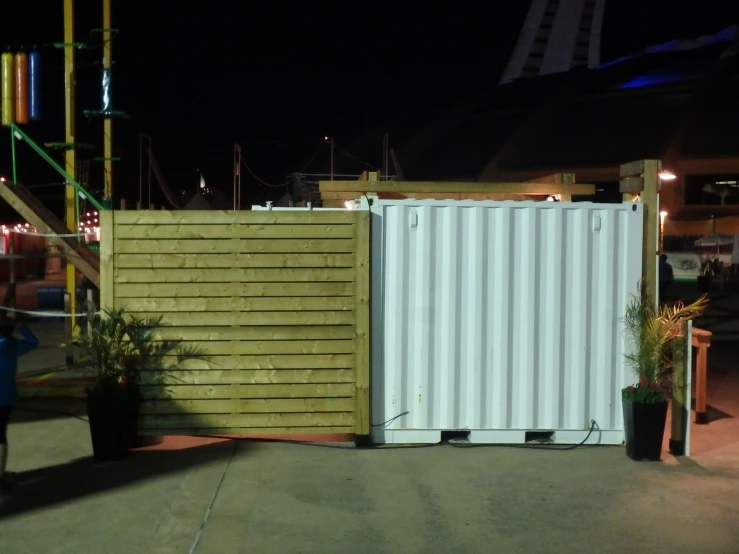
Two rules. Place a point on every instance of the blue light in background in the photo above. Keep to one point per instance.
(653, 79)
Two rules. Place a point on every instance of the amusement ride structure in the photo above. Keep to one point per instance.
(21, 98)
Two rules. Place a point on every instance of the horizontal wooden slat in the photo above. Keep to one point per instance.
(273, 347)
(632, 184)
(275, 361)
(632, 169)
(234, 231)
(295, 304)
(253, 406)
(243, 431)
(208, 261)
(328, 419)
(198, 392)
(246, 376)
(198, 290)
(232, 275)
(265, 333)
(404, 187)
(220, 217)
(234, 246)
(224, 319)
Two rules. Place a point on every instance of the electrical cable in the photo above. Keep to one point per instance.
(313, 157)
(260, 181)
(266, 184)
(390, 420)
(352, 156)
(460, 443)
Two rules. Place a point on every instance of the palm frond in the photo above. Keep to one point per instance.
(653, 331)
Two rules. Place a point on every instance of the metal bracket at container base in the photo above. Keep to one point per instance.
(500, 436)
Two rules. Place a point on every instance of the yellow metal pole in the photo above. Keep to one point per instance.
(69, 156)
(107, 121)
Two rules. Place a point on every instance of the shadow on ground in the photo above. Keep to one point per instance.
(53, 485)
(31, 411)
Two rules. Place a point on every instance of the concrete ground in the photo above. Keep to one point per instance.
(221, 497)
(198, 495)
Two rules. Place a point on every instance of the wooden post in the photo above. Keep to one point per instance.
(69, 329)
(123, 204)
(107, 229)
(70, 194)
(362, 323)
(642, 178)
(11, 286)
(702, 341)
(107, 121)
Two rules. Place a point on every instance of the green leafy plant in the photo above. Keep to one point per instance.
(118, 345)
(654, 332)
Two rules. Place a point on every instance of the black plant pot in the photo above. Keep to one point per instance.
(134, 405)
(644, 426)
(109, 417)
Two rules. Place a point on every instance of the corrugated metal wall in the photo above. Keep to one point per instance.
(501, 316)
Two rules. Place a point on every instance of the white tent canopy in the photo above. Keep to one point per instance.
(715, 239)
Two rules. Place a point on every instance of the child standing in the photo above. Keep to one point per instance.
(10, 348)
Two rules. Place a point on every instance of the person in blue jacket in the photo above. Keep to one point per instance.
(10, 348)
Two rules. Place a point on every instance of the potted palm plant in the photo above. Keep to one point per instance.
(118, 345)
(653, 331)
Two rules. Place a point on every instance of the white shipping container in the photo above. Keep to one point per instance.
(501, 318)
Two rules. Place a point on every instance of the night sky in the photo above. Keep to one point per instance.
(276, 80)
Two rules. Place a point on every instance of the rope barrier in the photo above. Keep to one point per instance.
(45, 314)
(69, 235)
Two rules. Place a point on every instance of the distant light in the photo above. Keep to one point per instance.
(667, 175)
(2, 179)
(349, 204)
(663, 214)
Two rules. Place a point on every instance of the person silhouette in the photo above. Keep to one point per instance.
(666, 277)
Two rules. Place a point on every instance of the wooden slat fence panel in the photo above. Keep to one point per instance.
(279, 300)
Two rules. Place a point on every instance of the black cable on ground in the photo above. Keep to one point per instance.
(531, 446)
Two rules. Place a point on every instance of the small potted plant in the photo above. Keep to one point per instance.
(117, 345)
(652, 331)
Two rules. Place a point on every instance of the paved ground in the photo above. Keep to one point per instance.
(246, 497)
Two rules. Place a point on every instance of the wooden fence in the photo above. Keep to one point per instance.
(279, 300)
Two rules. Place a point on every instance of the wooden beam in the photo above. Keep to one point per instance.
(555, 179)
(631, 185)
(632, 169)
(436, 186)
(344, 196)
(31, 209)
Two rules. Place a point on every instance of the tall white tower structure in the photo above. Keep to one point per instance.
(557, 36)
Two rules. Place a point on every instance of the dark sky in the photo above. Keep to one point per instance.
(276, 77)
